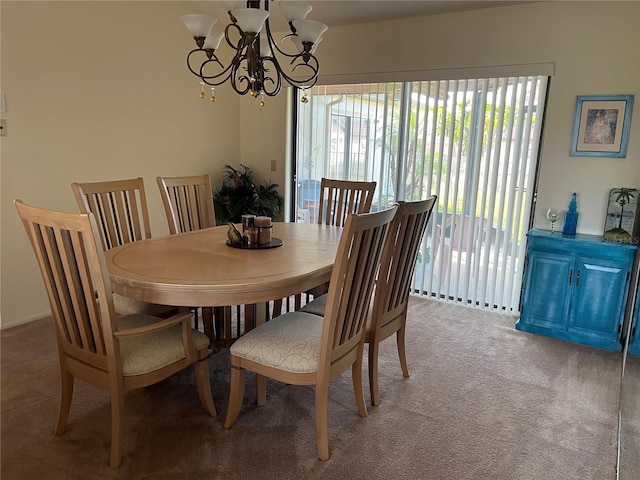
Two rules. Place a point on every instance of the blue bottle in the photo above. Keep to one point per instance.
(571, 218)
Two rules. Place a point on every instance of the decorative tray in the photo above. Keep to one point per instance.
(275, 242)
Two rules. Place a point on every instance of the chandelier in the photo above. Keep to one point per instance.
(259, 65)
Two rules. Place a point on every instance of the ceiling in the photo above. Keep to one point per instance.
(334, 13)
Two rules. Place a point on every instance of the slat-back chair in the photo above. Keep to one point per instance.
(188, 204)
(113, 352)
(304, 349)
(388, 314)
(338, 198)
(120, 209)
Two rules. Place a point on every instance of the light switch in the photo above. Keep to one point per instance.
(3, 127)
(273, 165)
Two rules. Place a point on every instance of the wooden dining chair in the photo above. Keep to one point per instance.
(188, 202)
(120, 209)
(388, 314)
(188, 205)
(95, 344)
(338, 198)
(304, 349)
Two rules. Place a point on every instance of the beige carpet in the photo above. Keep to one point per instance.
(630, 426)
(484, 402)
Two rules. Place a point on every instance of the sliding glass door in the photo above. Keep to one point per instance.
(472, 142)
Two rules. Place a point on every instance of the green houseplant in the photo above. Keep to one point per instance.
(239, 195)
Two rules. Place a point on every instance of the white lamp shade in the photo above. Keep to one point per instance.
(297, 42)
(300, 48)
(309, 30)
(213, 39)
(294, 10)
(198, 25)
(250, 19)
(315, 45)
(265, 49)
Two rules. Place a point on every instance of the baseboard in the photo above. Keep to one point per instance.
(22, 321)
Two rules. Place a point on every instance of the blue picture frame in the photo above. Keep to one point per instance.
(601, 126)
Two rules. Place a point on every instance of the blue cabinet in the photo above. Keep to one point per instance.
(575, 288)
(634, 339)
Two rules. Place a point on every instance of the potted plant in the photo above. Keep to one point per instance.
(239, 195)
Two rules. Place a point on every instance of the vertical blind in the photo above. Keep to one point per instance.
(472, 142)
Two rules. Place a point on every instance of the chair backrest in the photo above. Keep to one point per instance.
(399, 258)
(120, 209)
(350, 289)
(339, 198)
(188, 202)
(73, 269)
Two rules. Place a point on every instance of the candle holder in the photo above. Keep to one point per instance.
(264, 234)
(247, 222)
(250, 237)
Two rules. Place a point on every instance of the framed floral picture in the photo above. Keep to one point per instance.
(621, 224)
(601, 126)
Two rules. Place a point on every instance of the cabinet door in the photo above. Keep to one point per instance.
(598, 305)
(547, 289)
(634, 340)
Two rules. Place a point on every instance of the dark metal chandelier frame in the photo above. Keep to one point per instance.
(251, 70)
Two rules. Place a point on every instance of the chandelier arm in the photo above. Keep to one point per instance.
(239, 46)
(309, 81)
(209, 79)
(217, 79)
(237, 77)
(277, 83)
(212, 58)
(274, 46)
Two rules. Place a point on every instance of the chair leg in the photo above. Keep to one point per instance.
(236, 394)
(356, 375)
(207, 322)
(117, 414)
(203, 382)
(322, 427)
(374, 347)
(277, 308)
(402, 352)
(66, 394)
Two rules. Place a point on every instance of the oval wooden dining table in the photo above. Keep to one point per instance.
(198, 269)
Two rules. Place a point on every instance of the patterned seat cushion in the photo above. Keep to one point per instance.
(290, 342)
(316, 306)
(146, 353)
(125, 306)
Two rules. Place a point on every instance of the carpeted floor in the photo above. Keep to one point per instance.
(630, 426)
(484, 401)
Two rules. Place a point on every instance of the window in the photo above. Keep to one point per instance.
(472, 142)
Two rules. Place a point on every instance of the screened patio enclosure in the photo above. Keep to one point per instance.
(473, 142)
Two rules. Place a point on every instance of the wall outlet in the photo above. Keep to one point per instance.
(3, 127)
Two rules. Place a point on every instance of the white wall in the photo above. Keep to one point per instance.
(100, 90)
(96, 91)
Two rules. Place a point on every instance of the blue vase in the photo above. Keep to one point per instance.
(571, 218)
